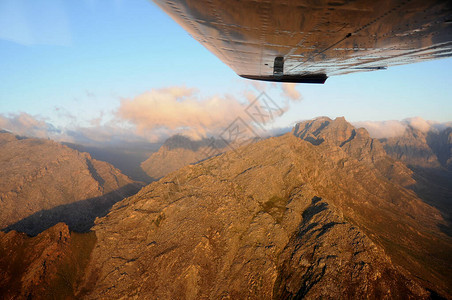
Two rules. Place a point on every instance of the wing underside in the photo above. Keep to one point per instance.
(308, 41)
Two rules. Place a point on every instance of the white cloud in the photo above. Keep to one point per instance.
(27, 125)
(394, 128)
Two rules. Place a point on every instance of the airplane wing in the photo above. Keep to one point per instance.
(310, 40)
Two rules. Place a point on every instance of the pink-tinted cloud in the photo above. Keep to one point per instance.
(290, 91)
(26, 125)
(179, 110)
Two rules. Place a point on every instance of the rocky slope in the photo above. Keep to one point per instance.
(179, 151)
(44, 182)
(43, 267)
(319, 212)
(357, 143)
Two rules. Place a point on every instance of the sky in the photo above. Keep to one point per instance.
(103, 70)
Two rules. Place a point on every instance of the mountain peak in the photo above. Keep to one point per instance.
(356, 143)
(340, 133)
(323, 129)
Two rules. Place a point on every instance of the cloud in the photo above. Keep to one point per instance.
(393, 128)
(289, 90)
(418, 123)
(381, 129)
(27, 125)
(153, 117)
(180, 110)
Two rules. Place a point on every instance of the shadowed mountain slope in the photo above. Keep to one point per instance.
(44, 182)
(429, 156)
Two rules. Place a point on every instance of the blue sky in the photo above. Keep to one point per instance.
(73, 61)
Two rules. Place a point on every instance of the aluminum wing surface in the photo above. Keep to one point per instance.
(309, 40)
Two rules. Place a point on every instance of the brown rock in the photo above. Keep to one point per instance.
(47, 266)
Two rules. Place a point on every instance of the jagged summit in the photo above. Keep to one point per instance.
(339, 132)
(322, 129)
(356, 142)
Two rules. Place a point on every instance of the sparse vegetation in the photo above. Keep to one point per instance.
(159, 219)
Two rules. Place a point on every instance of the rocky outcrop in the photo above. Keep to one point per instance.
(44, 182)
(285, 217)
(48, 266)
(357, 143)
(327, 257)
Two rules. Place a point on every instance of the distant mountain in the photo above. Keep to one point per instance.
(413, 148)
(179, 151)
(44, 183)
(321, 212)
(429, 156)
(441, 143)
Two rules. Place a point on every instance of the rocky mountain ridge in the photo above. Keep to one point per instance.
(44, 183)
(305, 214)
(321, 212)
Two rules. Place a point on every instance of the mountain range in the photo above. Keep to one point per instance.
(291, 216)
(324, 211)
